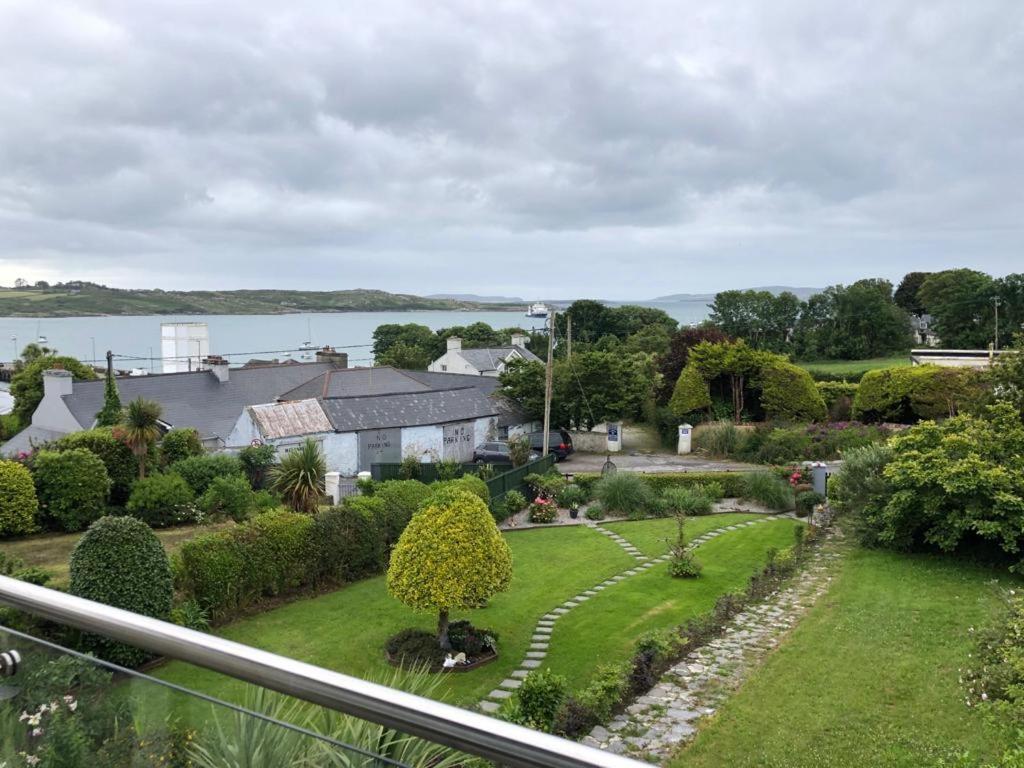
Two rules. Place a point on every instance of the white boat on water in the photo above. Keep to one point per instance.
(538, 309)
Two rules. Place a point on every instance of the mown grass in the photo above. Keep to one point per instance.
(654, 537)
(868, 678)
(854, 366)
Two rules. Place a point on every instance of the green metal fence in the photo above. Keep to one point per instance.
(499, 485)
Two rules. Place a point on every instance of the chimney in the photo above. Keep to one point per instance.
(218, 367)
(454, 344)
(57, 382)
(520, 340)
(332, 356)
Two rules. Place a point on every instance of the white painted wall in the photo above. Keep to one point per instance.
(452, 362)
(244, 431)
(341, 449)
(425, 443)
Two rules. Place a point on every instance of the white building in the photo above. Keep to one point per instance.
(489, 361)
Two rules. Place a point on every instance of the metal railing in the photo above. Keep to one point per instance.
(461, 729)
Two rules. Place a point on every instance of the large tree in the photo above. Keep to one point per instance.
(450, 557)
(852, 322)
(411, 335)
(760, 318)
(672, 362)
(27, 384)
(906, 293)
(960, 301)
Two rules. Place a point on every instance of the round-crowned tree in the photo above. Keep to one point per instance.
(18, 502)
(120, 562)
(450, 557)
(117, 457)
(73, 487)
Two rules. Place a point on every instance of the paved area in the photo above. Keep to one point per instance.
(654, 726)
(650, 462)
(542, 632)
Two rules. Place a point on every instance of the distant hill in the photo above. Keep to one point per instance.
(800, 292)
(84, 299)
(477, 299)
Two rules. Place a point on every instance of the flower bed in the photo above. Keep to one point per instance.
(418, 647)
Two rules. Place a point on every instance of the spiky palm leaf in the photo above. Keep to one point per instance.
(299, 477)
(140, 428)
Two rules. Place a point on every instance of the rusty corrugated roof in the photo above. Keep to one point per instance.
(290, 419)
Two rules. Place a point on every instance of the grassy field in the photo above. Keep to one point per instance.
(52, 551)
(346, 629)
(851, 367)
(653, 537)
(868, 678)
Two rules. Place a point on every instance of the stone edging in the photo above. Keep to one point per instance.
(540, 641)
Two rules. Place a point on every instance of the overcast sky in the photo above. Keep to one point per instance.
(616, 149)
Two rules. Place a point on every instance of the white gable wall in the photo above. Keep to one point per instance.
(452, 362)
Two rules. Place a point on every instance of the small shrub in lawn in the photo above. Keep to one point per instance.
(19, 504)
(807, 501)
(229, 496)
(624, 493)
(994, 680)
(347, 544)
(731, 483)
(721, 438)
(571, 497)
(179, 444)
(537, 701)
(688, 501)
(13, 566)
(543, 511)
(682, 563)
(401, 500)
(72, 486)
(605, 690)
(473, 641)
(769, 490)
(595, 511)
(120, 562)
(162, 500)
(199, 471)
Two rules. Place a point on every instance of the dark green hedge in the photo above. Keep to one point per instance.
(731, 482)
(122, 466)
(73, 488)
(913, 393)
(200, 471)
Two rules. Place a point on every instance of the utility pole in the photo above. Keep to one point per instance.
(568, 336)
(995, 300)
(547, 382)
(110, 364)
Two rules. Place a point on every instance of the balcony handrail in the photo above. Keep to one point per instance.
(461, 729)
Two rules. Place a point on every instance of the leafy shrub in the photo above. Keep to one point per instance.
(401, 499)
(230, 496)
(838, 397)
(162, 500)
(200, 471)
(72, 486)
(277, 550)
(550, 484)
(721, 438)
(474, 485)
(347, 544)
(692, 391)
(624, 493)
(769, 490)
(595, 511)
(191, 615)
(807, 501)
(256, 461)
(788, 393)
(688, 501)
(473, 641)
(121, 464)
(519, 450)
(180, 444)
(995, 679)
(212, 566)
(571, 497)
(910, 393)
(731, 483)
(537, 701)
(514, 502)
(448, 469)
(861, 489)
(120, 562)
(410, 468)
(19, 504)
(543, 512)
(606, 688)
(14, 567)
(414, 646)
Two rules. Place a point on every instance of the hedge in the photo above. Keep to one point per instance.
(913, 393)
(179, 444)
(120, 562)
(72, 486)
(347, 544)
(18, 502)
(731, 482)
(161, 500)
(122, 465)
(199, 471)
(788, 393)
(231, 496)
(401, 500)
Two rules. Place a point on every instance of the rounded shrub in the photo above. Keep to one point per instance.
(162, 500)
(72, 486)
(687, 501)
(121, 464)
(200, 471)
(180, 444)
(347, 544)
(19, 505)
(514, 502)
(807, 501)
(788, 393)
(401, 500)
(474, 485)
(624, 493)
(231, 496)
(120, 562)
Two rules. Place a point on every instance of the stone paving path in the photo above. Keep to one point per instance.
(541, 639)
(656, 724)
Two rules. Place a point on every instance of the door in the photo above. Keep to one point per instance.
(379, 446)
(458, 441)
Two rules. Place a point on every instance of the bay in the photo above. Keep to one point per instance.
(136, 339)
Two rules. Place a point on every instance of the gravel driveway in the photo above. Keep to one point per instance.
(650, 462)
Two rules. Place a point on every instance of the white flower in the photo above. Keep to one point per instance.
(73, 706)
(31, 759)
(68, 699)
(984, 696)
(24, 716)
(34, 719)
(37, 731)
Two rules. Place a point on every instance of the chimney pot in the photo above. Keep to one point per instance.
(218, 367)
(520, 339)
(332, 356)
(454, 344)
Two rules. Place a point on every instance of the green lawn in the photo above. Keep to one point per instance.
(346, 629)
(605, 628)
(855, 366)
(868, 678)
(653, 537)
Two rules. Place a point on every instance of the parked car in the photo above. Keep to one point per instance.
(559, 443)
(495, 453)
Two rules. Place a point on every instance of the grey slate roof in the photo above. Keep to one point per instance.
(197, 399)
(486, 384)
(348, 414)
(487, 359)
(28, 438)
(355, 382)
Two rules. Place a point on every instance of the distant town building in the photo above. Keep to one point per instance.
(923, 334)
(489, 361)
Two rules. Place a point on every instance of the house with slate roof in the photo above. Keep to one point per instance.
(489, 361)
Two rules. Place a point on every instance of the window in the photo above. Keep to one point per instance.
(503, 433)
(444, 367)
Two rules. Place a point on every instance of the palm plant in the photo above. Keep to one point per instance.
(299, 478)
(140, 429)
